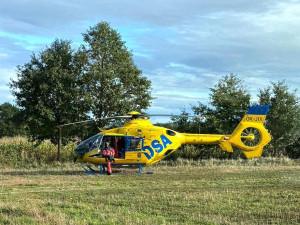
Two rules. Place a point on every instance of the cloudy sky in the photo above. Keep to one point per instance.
(183, 47)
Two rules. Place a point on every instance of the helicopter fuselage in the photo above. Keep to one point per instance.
(138, 142)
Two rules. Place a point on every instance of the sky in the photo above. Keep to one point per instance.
(183, 47)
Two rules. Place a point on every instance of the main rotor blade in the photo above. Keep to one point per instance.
(171, 115)
(115, 117)
(95, 120)
(67, 124)
(131, 116)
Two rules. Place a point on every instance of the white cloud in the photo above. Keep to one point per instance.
(4, 88)
(6, 74)
(184, 48)
(5, 95)
(3, 55)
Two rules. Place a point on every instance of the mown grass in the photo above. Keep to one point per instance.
(181, 192)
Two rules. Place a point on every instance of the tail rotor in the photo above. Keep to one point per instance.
(250, 135)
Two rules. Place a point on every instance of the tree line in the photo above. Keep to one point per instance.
(230, 99)
(99, 79)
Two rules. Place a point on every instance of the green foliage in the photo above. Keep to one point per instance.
(11, 122)
(61, 85)
(181, 123)
(196, 152)
(210, 123)
(19, 152)
(283, 118)
(114, 83)
(293, 149)
(231, 99)
(49, 89)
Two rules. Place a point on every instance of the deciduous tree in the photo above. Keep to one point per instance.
(113, 81)
(49, 89)
(230, 99)
(11, 121)
(284, 116)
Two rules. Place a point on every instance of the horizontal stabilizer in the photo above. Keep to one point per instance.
(226, 146)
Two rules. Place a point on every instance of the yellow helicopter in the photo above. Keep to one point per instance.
(138, 143)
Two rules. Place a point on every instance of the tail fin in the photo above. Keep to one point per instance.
(250, 135)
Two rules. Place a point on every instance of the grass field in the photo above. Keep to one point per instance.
(183, 193)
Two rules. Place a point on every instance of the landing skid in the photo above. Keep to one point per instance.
(90, 170)
(93, 172)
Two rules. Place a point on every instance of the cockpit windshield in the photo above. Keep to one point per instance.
(89, 144)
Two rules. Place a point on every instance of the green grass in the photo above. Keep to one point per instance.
(185, 192)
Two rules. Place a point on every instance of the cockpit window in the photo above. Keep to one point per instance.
(89, 144)
(171, 132)
(135, 143)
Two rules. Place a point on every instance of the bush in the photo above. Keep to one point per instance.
(195, 152)
(20, 152)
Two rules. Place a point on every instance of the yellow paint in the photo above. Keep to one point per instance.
(133, 113)
(158, 141)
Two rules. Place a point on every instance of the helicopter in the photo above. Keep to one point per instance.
(139, 143)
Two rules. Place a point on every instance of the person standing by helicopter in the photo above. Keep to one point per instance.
(108, 154)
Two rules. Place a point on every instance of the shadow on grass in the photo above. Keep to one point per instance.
(63, 172)
(42, 172)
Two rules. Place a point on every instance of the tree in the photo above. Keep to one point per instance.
(284, 116)
(210, 122)
(11, 123)
(114, 83)
(49, 89)
(182, 123)
(230, 99)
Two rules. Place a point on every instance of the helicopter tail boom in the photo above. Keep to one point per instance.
(250, 136)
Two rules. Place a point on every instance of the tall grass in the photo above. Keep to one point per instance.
(270, 161)
(20, 152)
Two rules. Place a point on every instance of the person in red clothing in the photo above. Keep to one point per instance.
(108, 154)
